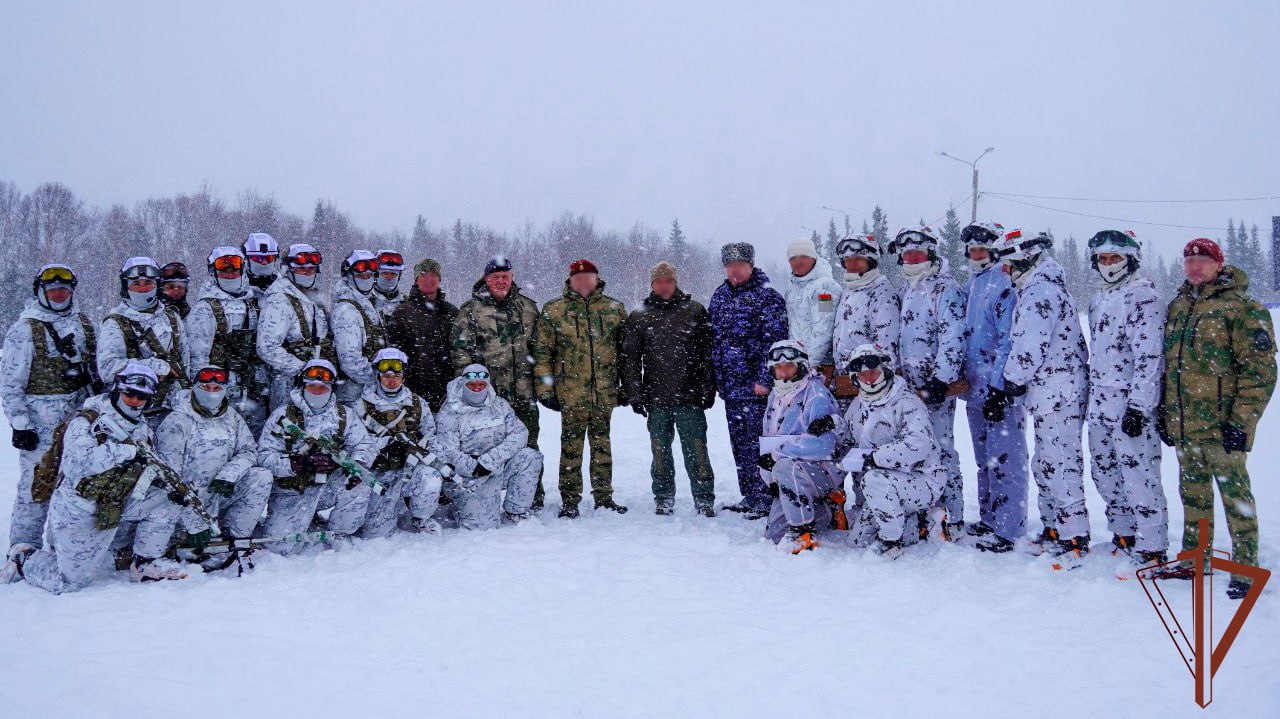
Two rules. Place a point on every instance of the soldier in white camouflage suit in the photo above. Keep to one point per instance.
(358, 332)
(386, 289)
(484, 441)
(1048, 363)
(931, 350)
(408, 462)
(293, 326)
(870, 310)
(1126, 325)
(45, 373)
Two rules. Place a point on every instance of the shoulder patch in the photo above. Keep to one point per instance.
(1261, 340)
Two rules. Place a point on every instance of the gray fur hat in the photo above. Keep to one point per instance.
(738, 252)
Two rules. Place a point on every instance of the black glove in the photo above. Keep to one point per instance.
(200, 539)
(550, 402)
(179, 498)
(1134, 422)
(25, 439)
(766, 462)
(821, 426)
(1160, 430)
(708, 402)
(223, 487)
(1014, 390)
(934, 393)
(773, 490)
(481, 471)
(314, 462)
(993, 407)
(1233, 439)
(640, 410)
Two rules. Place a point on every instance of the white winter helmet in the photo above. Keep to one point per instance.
(1116, 242)
(303, 254)
(859, 246)
(788, 351)
(355, 258)
(871, 356)
(389, 356)
(318, 370)
(1020, 254)
(136, 268)
(915, 237)
(982, 234)
(260, 243)
(137, 378)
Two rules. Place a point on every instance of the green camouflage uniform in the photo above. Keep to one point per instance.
(1220, 369)
(576, 350)
(498, 335)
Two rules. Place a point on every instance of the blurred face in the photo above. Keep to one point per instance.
(914, 257)
(584, 283)
(801, 266)
(477, 385)
(664, 287)
(304, 270)
(856, 265)
(784, 371)
(389, 277)
(979, 254)
(1110, 258)
(391, 380)
(499, 283)
(737, 272)
(174, 290)
(136, 401)
(316, 388)
(142, 284)
(57, 295)
(870, 376)
(1200, 269)
(428, 283)
(230, 273)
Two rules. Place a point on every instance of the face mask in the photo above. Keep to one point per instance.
(980, 266)
(305, 282)
(316, 402)
(855, 281)
(211, 401)
(54, 306)
(915, 273)
(387, 287)
(129, 413)
(1113, 274)
(473, 398)
(234, 287)
(364, 286)
(269, 270)
(141, 300)
(1020, 270)
(873, 392)
(786, 387)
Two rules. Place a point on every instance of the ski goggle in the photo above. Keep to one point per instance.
(228, 262)
(1113, 237)
(476, 375)
(973, 235)
(135, 385)
(213, 374)
(389, 365)
(390, 260)
(853, 247)
(305, 258)
(58, 274)
(265, 259)
(174, 272)
(865, 362)
(361, 267)
(141, 272)
(785, 354)
(317, 374)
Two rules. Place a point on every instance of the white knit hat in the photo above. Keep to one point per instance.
(802, 247)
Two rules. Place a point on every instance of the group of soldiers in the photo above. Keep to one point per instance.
(169, 430)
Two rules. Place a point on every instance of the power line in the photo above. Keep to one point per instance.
(1160, 202)
(1104, 217)
(944, 215)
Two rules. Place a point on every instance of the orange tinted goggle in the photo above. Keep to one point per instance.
(262, 259)
(391, 258)
(317, 374)
(363, 266)
(228, 262)
(305, 258)
(212, 374)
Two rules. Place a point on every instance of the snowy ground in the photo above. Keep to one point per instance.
(632, 615)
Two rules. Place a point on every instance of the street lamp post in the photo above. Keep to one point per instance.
(974, 164)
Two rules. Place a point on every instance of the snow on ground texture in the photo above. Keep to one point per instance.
(633, 615)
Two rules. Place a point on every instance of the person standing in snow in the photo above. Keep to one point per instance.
(481, 437)
(1048, 363)
(293, 326)
(1220, 372)
(812, 296)
(108, 481)
(747, 317)
(174, 278)
(213, 450)
(886, 439)
(409, 460)
(46, 371)
(263, 254)
(222, 330)
(495, 329)
(870, 309)
(358, 333)
(386, 289)
(931, 350)
(422, 327)
(141, 329)
(999, 446)
(797, 446)
(577, 350)
(669, 380)
(302, 444)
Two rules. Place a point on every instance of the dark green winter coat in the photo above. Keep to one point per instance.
(1220, 360)
(668, 351)
(577, 348)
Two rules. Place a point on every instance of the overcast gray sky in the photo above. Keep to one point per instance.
(741, 118)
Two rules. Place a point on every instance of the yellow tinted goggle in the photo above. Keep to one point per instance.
(57, 274)
(389, 365)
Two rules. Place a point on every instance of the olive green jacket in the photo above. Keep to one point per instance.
(499, 336)
(577, 349)
(1220, 360)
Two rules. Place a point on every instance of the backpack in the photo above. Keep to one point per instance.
(48, 471)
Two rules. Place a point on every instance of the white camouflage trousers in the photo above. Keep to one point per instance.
(291, 512)
(943, 420)
(889, 498)
(420, 485)
(1126, 471)
(238, 514)
(478, 503)
(803, 486)
(1058, 462)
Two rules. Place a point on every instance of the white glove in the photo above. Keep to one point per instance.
(855, 459)
(124, 452)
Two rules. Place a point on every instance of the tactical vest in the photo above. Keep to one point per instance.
(393, 456)
(375, 334)
(306, 348)
(236, 349)
(57, 374)
(293, 415)
(134, 338)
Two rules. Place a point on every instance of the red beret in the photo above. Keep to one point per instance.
(1203, 247)
(583, 266)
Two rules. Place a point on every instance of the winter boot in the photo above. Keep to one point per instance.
(952, 531)
(992, 542)
(1122, 544)
(978, 529)
(611, 505)
(427, 526)
(740, 508)
(663, 507)
(12, 569)
(1048, 538)
(802, 538)
(889, 549)
(705, 509)
(155, 570)
(1238, 588)
(1136, 561)
(569, 511)
(1068, 554)
(514, 517)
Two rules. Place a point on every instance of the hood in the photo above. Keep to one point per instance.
(211, 291)
(453, 397)
(343, 290)
(1049, 271)
(679, 298)
(1230, 278)
(820, 271)
(137, 315)
(295, 398)
(282, 286)
(33, 310)
(480, 291)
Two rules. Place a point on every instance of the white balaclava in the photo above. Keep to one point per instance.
(210, 400)
(363, 285)
(473, 397)
(42, 287)
(234, 287)
(141, 301)
(301, 281)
